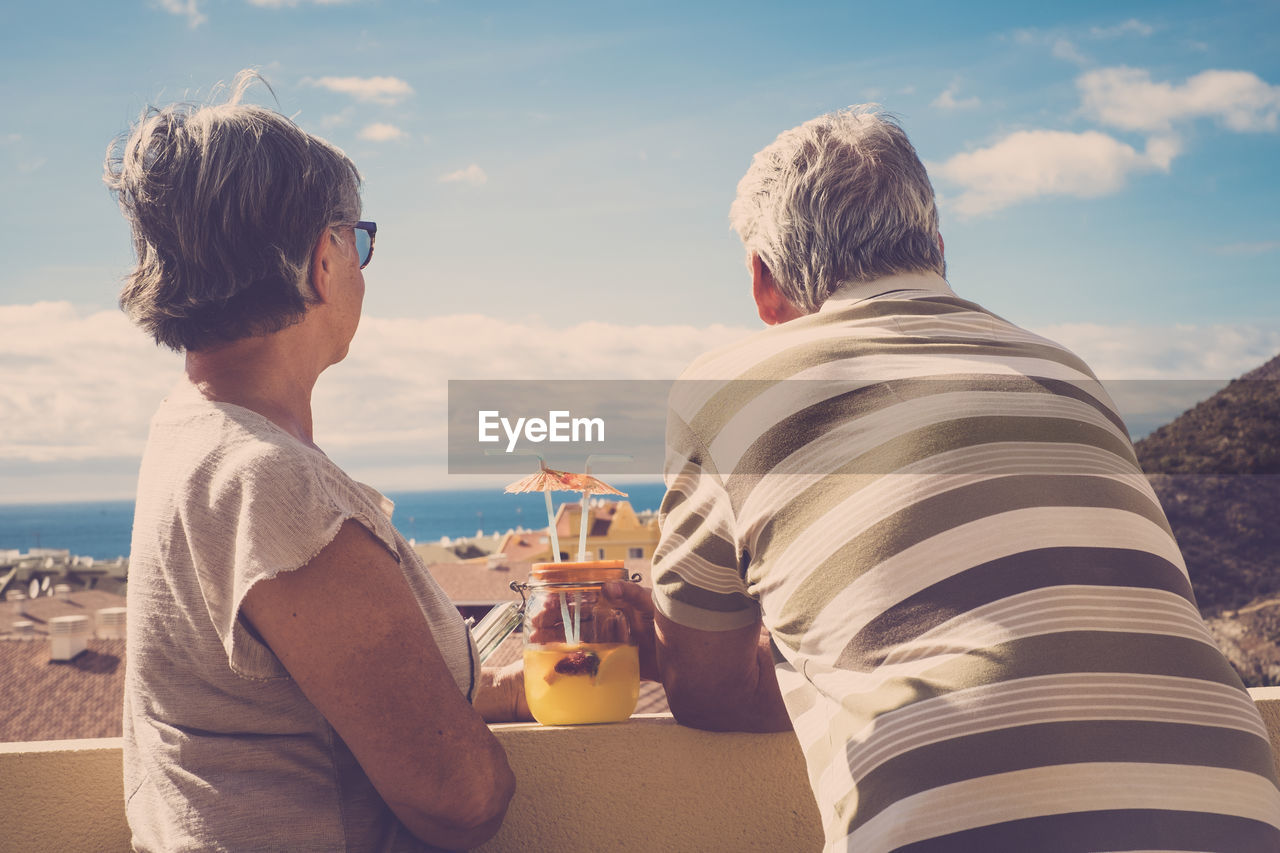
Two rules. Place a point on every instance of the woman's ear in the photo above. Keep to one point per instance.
(322, 264)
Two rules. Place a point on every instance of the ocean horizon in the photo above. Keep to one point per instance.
(103, 529)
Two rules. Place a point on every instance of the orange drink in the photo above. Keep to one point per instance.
(585, 683)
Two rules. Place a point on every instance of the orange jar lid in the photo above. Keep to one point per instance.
(586, 571)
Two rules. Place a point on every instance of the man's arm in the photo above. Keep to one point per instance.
(368, 662)
(722, 681)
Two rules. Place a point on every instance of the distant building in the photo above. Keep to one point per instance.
(38, 571)
(615, 532)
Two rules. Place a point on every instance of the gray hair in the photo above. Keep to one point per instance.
(225, 203)
(841, 198)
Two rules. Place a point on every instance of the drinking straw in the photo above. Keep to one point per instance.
(572, 631)
(586, 496)
(551, 529)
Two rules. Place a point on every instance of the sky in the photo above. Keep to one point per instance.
(551, 183)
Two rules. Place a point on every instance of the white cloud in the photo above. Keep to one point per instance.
(1065, 49)
(1031, 163)
(1182, 352)
(1259, 248)
(473, 175)
(278, 4)
(382, 90)
(1130, 27)
(1155, 373)
(188, 8)
(336, 119)
(1128, 98)
(948, 100)
(77, 385)
(382, 132)
(1059, 45)
(82, 385)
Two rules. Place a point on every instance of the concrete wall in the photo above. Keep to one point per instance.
(62, 795)
(646, 785)
(651, 784)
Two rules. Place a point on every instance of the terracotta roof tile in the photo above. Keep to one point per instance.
(470, 582)
(526, 546)
(81, 698)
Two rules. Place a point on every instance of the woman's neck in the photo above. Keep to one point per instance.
(264, 374)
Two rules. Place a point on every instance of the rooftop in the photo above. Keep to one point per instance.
(81, 698)
(38, 611)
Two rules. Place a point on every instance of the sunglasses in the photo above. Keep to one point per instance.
(365, 232)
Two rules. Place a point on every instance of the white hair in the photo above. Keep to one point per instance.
(841, 198)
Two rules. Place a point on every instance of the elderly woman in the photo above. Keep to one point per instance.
(296, 680)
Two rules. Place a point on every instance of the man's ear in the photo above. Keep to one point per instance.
(322, 265)
(773, 307)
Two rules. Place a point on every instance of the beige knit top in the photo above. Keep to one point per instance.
(222, 751)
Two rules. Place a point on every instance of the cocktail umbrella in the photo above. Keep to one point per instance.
(548, 480)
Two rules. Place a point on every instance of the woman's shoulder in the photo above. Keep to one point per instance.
(230, 461)
(216, 451)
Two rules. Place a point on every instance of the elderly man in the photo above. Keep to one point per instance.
(976, 618)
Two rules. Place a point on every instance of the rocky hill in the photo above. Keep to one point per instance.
(1216, 469)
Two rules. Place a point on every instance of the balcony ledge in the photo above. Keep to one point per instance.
(648, 784)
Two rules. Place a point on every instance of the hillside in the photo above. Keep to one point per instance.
(1216, 469)
(1236, 431)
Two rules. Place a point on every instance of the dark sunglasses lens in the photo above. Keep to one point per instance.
(364, 246)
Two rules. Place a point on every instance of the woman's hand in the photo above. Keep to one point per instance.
(500, 694)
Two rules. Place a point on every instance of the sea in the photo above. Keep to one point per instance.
(102, 529)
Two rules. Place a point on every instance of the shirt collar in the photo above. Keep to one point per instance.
(853, 292)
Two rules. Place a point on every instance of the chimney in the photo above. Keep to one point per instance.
(111, 623)
(61, 590)
(68, 637)
(15, 595)
(24, 629)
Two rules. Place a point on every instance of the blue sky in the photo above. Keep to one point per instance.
(548, 171)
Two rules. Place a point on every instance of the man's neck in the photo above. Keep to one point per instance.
(857, 291)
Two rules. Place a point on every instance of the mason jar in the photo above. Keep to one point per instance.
(581, 662)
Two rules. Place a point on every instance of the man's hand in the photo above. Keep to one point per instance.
(637, 603)
(602, 625)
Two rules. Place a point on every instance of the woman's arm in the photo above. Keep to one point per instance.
(348, 629)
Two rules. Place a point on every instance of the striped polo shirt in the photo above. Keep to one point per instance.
(982, 625)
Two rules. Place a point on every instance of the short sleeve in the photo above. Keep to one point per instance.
(696, 577)
(259, 509)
